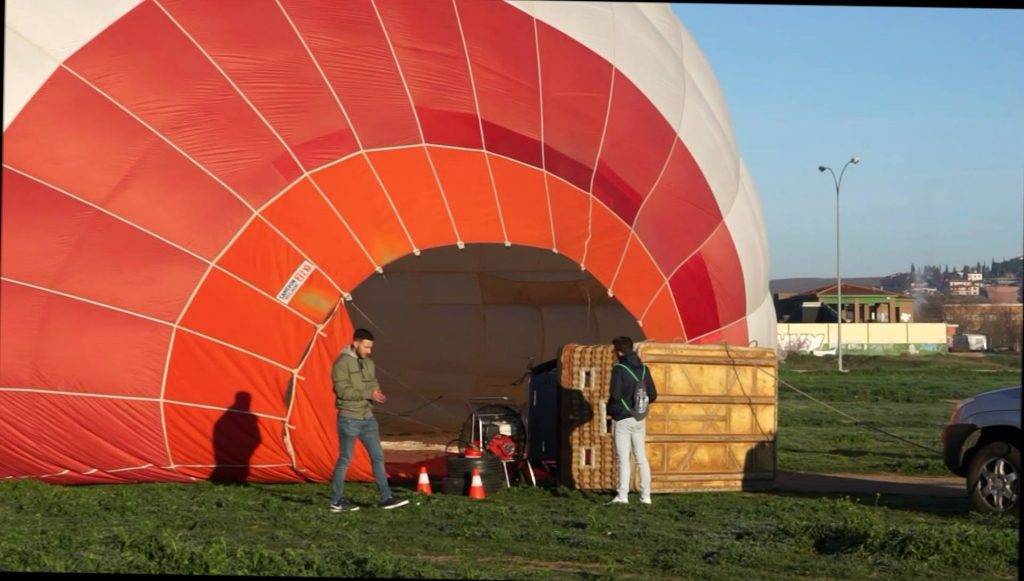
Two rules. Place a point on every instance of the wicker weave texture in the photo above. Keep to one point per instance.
(712, 428)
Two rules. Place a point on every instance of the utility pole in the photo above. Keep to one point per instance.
(839, 279)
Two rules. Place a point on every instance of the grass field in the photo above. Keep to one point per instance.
(557, 533)
(910, 396)
(523, 532)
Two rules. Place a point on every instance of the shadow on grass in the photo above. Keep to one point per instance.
(945, 497)
(304, 498)
(911, 503)
(850, 453)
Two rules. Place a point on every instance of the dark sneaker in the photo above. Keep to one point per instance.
(392, 503)
(344, 506)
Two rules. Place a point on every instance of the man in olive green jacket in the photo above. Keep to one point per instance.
(356, 389)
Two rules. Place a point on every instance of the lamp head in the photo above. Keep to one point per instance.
(855, 159)
(822, 168)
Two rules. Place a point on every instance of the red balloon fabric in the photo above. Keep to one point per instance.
(192, 190)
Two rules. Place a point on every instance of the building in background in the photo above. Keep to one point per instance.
(1001, 323)
(1010, 279)
(861, 304)
(866, 338)
(922, 288)
(964, 288)
(1002, 293)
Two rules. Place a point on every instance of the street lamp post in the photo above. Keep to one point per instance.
(839, 280)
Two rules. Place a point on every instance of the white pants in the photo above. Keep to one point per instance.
(629, 435)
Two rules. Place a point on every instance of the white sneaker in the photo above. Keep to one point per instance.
(617, 500)
(392, 503)
(645, 500)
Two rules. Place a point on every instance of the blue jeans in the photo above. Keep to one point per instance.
(369, 433)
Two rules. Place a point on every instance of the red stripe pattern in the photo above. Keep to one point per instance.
(216, 147)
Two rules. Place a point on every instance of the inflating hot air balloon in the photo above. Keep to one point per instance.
(201, 200)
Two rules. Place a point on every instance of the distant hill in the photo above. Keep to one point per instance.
(1011, 266)
(792, 285)
(896, 281)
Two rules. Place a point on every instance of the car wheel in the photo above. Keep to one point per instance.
(993, 480)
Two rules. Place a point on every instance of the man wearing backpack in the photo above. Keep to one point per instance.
(632, 392)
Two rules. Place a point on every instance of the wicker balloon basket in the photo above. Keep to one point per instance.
(712, 427)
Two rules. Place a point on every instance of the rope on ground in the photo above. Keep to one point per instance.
(416, 409)
(418, 392)
(422, 423)
(838, 411)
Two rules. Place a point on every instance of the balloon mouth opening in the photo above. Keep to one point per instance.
(455, 323)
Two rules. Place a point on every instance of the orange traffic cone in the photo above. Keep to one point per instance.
(424, 483)
(476, 488)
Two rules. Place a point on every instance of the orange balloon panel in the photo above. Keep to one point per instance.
(427, 41)
(231, 312)
(569, 212)
(239, 168)
(261, 257)
(168, 82)
(308, 221)
(638, 279)
(661, 322)
(115, 433)
(207, 438)
(409, 178)
(83, 253)
(316, 298)
(354, 190)
(312, 124)
(130, 362)
(205, 372)
(523, 202)
(471, 195)
(608, 235)
(123, 172)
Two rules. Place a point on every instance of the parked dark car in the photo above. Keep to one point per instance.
(982, 442)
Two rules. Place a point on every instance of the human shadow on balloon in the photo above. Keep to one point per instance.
(236, 435)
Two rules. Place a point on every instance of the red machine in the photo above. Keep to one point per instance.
(503, 447)
(499, 429)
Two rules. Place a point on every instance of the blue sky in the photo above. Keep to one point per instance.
(932, 99)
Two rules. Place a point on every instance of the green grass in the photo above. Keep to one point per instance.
(557, 533)
(516, 533)
(910, 396)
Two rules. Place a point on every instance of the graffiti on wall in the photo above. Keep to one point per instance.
(801, 342)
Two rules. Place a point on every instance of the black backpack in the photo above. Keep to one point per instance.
(641, 403)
